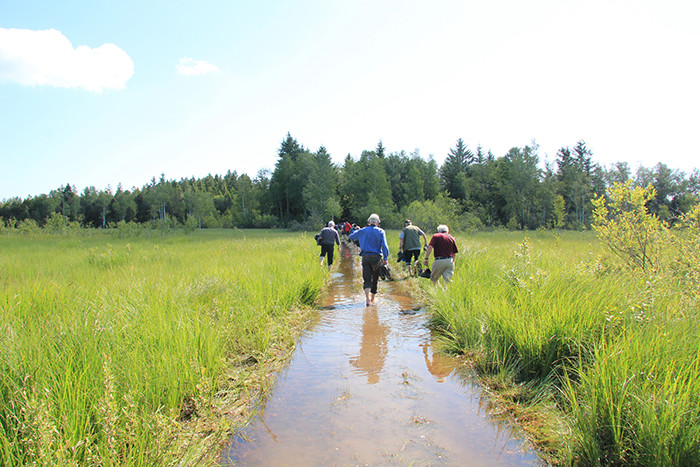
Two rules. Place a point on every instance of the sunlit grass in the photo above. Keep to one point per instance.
(109, 346)
(616, 352)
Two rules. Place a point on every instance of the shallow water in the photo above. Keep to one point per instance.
(365, 388)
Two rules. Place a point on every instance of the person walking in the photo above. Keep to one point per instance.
(346, 229)
(329, 238)
(409, 243)
(375, 253)
(444, 247)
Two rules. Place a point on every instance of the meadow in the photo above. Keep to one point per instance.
(143, 350)
(150, 348)
(598, 362)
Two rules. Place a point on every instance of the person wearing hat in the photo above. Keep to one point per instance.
(329, 237)
(445, 247)
(409, 243)
(375, 253)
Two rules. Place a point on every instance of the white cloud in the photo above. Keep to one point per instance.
(190, 66)
(47, 58)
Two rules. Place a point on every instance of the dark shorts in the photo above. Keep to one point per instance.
(327, 250)
(408, 254)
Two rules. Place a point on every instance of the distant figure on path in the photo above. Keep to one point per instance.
(445, 247)
(375, 253)
(346, 229)
(329, 238)
(409, 243)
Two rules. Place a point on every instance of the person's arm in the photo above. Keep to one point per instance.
(385, 248)
(427, 253)
(425, 240)
(400, 244)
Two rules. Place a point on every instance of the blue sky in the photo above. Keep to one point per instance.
(105, 92)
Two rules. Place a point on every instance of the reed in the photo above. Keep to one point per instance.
(115, 351)
(615, 351)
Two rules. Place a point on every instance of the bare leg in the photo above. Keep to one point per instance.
(374, 298)
(368, 302)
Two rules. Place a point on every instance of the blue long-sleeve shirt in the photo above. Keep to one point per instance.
(372, 241)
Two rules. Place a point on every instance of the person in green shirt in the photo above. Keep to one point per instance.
(409, 243)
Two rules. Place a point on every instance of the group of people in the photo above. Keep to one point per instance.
(374, 250)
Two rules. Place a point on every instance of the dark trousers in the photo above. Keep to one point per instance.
(327, 249)
(370, 272)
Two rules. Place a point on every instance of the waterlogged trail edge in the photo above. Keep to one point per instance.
(364, 387)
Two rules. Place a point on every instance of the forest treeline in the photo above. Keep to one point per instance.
(472, 189)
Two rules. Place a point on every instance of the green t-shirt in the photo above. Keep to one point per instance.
(411, 237)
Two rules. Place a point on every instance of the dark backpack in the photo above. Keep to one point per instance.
(318, 238)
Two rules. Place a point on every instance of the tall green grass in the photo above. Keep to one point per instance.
(112, 348)
(616, 351)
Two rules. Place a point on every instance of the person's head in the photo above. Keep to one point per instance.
(373, 219)
(331, 224)
(442, 228)
(407, 222)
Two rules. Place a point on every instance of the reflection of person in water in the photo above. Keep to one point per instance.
(373, 347)
(441, 367)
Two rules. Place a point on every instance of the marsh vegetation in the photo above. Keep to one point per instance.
(130, 351)
(592, 345)
(149, 349)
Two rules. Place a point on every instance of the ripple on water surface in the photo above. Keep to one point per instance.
(364, 387)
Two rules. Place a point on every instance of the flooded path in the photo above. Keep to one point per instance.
(365, 388)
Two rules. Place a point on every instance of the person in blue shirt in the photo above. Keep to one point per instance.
(375, 253)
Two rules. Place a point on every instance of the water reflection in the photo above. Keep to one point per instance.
(364, 387)
(373, 348)
(438, 365)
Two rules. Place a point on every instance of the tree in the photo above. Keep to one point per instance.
(667, 184)
(199, 204)
(90, 207)
(575, 176)
(454, 170)
(619, 172)
(558, 212)
(379, 151)
(70, 201)
(483, 193)
(123, 206)
(165, 200)
(14, 209)
(365, 188)
(320, 193)
(42, 206)
(520, 178)
(244, 185)
(104, 197)
(431, 180)
(414, 185)
(289, 179)
(625, 226)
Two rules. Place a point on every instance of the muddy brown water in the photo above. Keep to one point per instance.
(364, 387)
